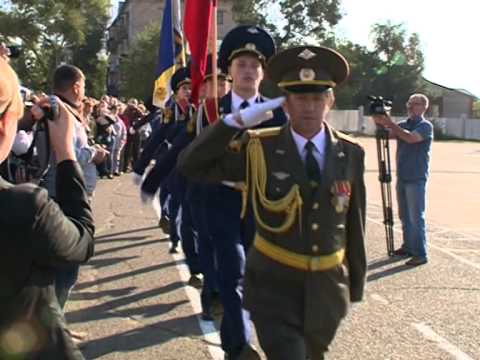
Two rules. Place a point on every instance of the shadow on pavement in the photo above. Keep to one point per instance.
(107, 309)
(124, 247)
(378, 263)
(143, 337)
(115, 239)
(84, 285)
(98, 263)
(92, 295)
(127, 232)
(388, 272)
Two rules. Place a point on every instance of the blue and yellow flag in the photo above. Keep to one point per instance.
(170, 52)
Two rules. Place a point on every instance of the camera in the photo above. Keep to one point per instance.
(379, 105)
(51, 111)
(14, 51)
(41, 142)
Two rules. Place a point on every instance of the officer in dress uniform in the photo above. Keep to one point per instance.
(305, 183)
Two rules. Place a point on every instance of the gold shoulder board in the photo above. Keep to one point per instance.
(266, 132)
(348, 138)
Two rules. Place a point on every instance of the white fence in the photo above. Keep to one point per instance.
(353, 121)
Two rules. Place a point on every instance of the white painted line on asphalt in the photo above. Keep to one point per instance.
(209, 331)
(449, 253)
(442, 343)
(457, 257)
(379, 298)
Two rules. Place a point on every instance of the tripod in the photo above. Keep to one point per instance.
(385, 178)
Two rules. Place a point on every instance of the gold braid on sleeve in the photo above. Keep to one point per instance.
(256, 181)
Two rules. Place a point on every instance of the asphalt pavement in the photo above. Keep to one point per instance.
(133, 300)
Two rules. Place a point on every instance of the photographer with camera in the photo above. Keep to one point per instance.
(38, 237)
(69, 87)
(414, 140)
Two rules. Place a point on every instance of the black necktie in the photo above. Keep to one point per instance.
(311, 164)
(244, 104)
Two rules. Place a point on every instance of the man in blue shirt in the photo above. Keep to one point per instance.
(414, 140)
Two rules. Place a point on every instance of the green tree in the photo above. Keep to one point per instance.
(402, 63)
(51, 32)
(392, 69)
(138, 66)
(88, 56)
(363, 69)
(296, 21)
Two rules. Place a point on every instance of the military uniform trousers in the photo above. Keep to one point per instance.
(197, 199)
(183, 222)
(229, 237)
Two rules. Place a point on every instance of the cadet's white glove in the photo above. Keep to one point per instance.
(254, 114)
(137, 179)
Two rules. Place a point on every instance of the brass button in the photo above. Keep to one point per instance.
(315, 206)
(315, 226)
(315, 248)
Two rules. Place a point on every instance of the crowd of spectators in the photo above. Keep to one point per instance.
(110, 133)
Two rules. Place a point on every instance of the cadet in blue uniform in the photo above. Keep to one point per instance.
(243, 54)
(175, 115)
(194, 198)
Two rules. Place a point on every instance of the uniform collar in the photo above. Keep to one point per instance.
(319, 140)
(237, 100)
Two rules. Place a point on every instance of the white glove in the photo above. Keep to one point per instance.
(137, 179)
(146, 198)
(22, 142)
(254, 114)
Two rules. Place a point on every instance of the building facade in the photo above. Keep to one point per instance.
(133, 17)
(449, 103)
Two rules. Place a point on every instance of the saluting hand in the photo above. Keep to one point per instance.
(254, 114)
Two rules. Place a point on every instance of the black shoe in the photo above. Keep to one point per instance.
(401, 252)
(116, 174)
(164, 224)
(195, 281)
(416, 261)
(216, 306)
(110, 176)
(207, 316)
(249, 352)
(173, 249)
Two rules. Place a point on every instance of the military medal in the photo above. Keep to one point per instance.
(341, 195)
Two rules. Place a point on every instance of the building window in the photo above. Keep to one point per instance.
(220, 17)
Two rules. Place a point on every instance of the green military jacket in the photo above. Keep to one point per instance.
(311, 300)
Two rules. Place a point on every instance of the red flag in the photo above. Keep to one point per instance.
(198, 14)
(211, 110)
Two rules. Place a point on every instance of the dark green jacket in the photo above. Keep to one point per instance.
(314, 300)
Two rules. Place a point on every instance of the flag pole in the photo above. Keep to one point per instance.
(213, 48)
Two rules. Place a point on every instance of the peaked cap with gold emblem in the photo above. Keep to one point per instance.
(208, 73)
(180, 76)
(246, 39)
(308, 69)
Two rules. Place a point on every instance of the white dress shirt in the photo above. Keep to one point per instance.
(319, 141)
(238, 100)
